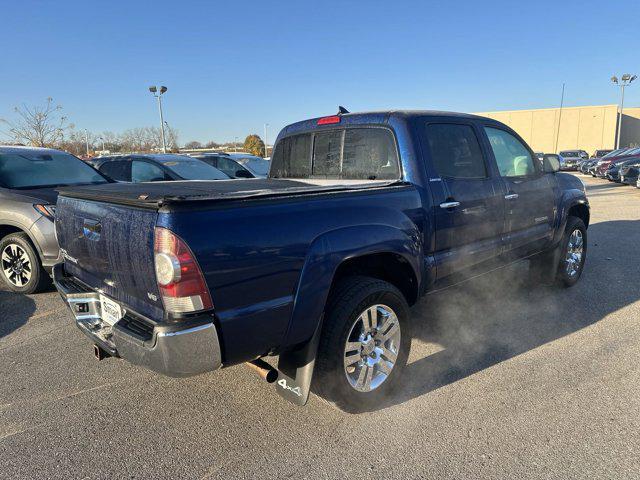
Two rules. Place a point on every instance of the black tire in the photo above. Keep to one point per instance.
(349, 299)
(38, 278)
(562, 276)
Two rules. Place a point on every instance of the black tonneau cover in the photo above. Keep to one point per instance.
(158, 194)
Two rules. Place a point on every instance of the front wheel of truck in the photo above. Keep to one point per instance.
(364, 345)
(564, 264)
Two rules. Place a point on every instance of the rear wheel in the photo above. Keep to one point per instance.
(20, 266)
(364, 345)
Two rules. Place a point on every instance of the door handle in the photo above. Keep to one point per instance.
(446, 205)
(511, 196)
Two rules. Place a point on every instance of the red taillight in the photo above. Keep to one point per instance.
(329, 120)
(179, 277)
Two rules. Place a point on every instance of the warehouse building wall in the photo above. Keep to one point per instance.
(585, 128)
(630, 132)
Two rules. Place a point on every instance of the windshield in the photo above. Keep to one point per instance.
(614, 153)
(33, 169)
(570, 154)
(256, 165)
(193, 169)
(633, 151)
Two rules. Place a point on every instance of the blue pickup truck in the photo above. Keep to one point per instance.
(319, 263)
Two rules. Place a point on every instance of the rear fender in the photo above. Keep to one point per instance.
(325, 255)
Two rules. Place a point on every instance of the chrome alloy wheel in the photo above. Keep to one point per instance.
(575, 250)
(16, 265)
(372, 347)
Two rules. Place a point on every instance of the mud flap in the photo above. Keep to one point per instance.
(546, 265)
(295, 370)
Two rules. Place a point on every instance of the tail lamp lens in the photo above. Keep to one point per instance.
(179, 277)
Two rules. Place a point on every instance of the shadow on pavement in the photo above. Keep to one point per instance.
(15, 310)
(495, 317)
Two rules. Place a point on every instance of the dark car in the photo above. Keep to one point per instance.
(319, 263)
(572, 158)
(160, 167)
(28, 181)
(601, 153)
(629, 172)
(604, 163)
(236, 165)
(595, 164)
(224, 163)
(256, 165)
(614, 171)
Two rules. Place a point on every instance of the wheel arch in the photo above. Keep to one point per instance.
(9, 228)
(580, 210)
(380, 251)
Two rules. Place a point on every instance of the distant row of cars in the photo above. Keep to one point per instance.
(30, 177)
(139, 168)
(620, 166)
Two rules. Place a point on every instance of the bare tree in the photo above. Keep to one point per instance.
(40, 126)
(75, 142)
(193, 144)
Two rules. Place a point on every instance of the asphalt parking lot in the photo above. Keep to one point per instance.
(504, 381)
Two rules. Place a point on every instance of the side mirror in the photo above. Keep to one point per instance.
(243, 174)
(550, 164)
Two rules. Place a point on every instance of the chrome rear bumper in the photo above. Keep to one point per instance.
(176, 350)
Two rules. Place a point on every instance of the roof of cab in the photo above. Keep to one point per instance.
(374, 117)
(23, 148)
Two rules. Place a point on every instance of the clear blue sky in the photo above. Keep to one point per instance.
(232, 66)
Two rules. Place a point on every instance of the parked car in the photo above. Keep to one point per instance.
(629, 172)
(605, 159)
(236, 167)
(162, 167)
(601, 153)
(319, 263)
(586, 165)
(605, 162)
(257, 165)
(28, 181)
(613, 172)
(572, 158)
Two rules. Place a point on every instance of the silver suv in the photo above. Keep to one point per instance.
(28, 179)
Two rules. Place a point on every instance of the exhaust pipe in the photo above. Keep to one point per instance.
(100, 353)
(263, 369)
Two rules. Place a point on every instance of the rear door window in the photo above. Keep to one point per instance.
(119, 170)
(349, 154)
(455, 151)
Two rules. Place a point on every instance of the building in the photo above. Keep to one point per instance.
(584, 128)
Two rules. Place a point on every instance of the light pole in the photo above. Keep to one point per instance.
(625, 80)
(235, 145)
(266, 151)
(154, 91)
(86, 140)
(102, 140)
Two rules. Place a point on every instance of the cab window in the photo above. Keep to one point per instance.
(512, 157)
(455, 151)
(348, 154)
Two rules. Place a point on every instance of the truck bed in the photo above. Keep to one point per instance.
(158, 194)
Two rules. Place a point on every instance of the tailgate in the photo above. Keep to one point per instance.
(110, 247)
